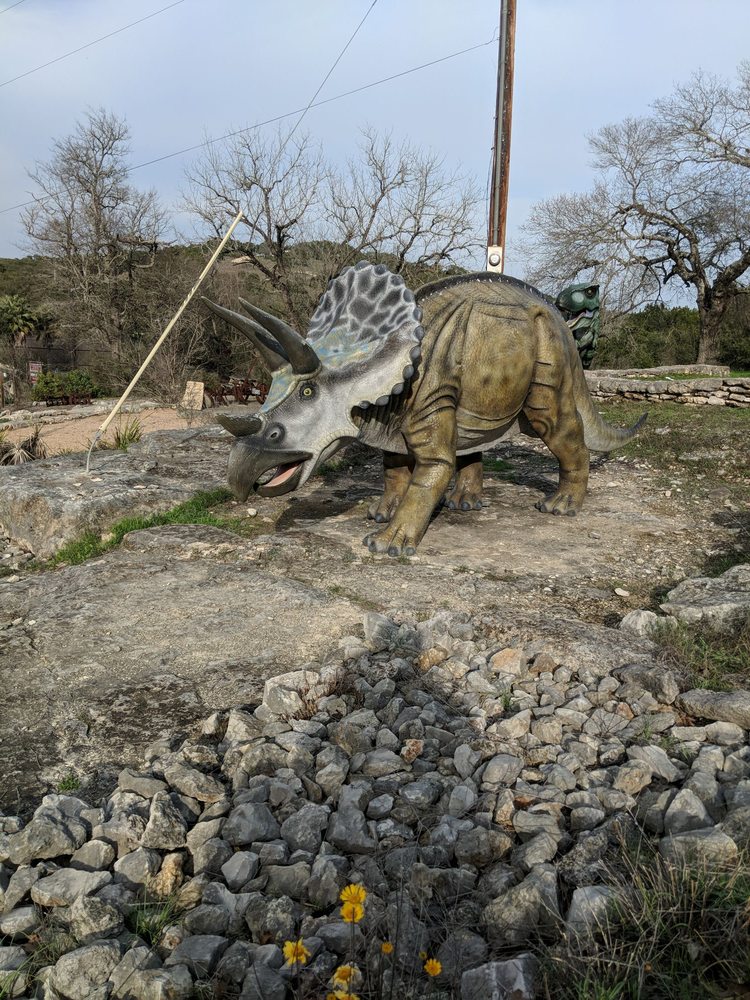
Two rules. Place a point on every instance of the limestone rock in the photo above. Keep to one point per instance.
(250, 822)
(525, 908)
(64, 886)
(513, 978)
(200, 953)
(49, 834)
(686, 812)
(724, 706)
(589, 907)
(83, 973)
(719, 601)
(165, 828)
(194, 783)
(92, 918)
(699, 846)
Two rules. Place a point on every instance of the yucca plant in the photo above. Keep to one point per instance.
(28, 450)
(127, 433)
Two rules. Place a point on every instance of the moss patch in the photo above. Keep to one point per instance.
(199, 510)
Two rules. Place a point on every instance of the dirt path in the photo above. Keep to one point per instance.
(76, 434)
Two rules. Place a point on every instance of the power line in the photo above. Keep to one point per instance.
(88, 44)
(12, 6)
(333, 67)
(288, 114)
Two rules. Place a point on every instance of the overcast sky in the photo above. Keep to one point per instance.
(208, 66)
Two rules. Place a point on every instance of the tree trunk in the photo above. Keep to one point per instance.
(710, 328)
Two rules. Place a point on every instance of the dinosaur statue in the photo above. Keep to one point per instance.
(579, 305)
(427, 379)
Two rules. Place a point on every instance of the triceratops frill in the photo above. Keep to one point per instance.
(430, 380)
(361, 351)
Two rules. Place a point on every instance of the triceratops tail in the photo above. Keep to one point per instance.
(597, 433)
(600, 436)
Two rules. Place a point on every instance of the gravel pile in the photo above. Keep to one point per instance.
(476, 793)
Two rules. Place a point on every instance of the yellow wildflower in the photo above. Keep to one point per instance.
(433, 967)
(422, 956)
(386, 947)
(295, 952)
(341, 995)
(352, 913)
(344, 975)
(353, 893)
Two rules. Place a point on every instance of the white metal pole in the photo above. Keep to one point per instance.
(167, 330)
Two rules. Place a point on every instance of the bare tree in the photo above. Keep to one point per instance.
(278, 185)
(399, 204)
(97, 231)
(305, 220)
(672, 205)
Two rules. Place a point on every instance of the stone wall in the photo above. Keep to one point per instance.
(697, 392)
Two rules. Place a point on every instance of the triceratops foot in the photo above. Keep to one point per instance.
(559, 502)
(382, 510)
(392, 540)
(463, 500)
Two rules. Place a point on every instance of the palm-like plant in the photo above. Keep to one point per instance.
(17, 319)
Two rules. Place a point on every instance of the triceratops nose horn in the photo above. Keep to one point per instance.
(302, 357)
(240, 426)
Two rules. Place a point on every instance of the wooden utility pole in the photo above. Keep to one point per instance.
(501, 141)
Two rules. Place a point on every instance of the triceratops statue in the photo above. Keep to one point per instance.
(429, 379)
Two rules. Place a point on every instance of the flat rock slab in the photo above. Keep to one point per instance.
(45, 504)
(100, 659)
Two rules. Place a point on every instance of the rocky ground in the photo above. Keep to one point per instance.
(468, 733)
(480, 794)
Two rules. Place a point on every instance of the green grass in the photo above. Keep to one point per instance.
(675, 431)
(198, 510)
(719, 661)
(492, 464)
(69, 783)
(150, 918)
(674, 932)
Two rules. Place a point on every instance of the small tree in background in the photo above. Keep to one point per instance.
(671, 206)
(98, 233)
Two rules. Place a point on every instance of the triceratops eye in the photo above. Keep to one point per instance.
(307, 391)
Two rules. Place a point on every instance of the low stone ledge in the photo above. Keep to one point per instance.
(45, 504)
(696, 392)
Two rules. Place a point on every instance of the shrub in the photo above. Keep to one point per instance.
(49, 385)
(60, 385)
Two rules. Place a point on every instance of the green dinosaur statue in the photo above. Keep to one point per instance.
(427, 379)
(579, 305)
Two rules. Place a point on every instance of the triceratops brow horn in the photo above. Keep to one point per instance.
(272, 352)
(302, 357)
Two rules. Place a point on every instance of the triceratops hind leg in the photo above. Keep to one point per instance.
(397, 470)
(558, 424)
(467, 491)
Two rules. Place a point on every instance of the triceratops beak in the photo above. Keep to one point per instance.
(302, 357)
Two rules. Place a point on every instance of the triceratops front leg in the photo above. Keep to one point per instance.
(431, 440)
(467, 491)
(397, 470)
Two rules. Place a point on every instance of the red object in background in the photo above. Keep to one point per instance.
(35, 370)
